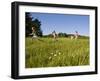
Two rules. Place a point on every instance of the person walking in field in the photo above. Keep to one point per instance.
(76, 35)
(33, 33)
(54, 35)
(72, 37)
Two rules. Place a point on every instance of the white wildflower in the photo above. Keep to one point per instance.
(49, 57)
(59, 53)
(55, 55)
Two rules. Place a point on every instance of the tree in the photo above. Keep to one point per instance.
(28, 21)
(31, 22)
(37, 25)
(62, 34)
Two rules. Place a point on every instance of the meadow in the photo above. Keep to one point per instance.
(46, 52)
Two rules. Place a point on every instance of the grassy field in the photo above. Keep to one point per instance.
(46, 52)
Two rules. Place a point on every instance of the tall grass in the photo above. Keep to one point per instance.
(46, 52)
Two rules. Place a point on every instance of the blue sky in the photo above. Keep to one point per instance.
(66, 23)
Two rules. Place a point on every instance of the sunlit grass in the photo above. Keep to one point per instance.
(45, 52)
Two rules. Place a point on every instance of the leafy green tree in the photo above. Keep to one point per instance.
(62, 34)
(31, 22)
(28, 21)
(37, 25)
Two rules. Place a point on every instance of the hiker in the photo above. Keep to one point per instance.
(54, 35)
(76, 35)
(72, 37)
(33, 33)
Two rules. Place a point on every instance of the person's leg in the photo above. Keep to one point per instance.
(32, 37)
(55, 38)
(76, 37)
